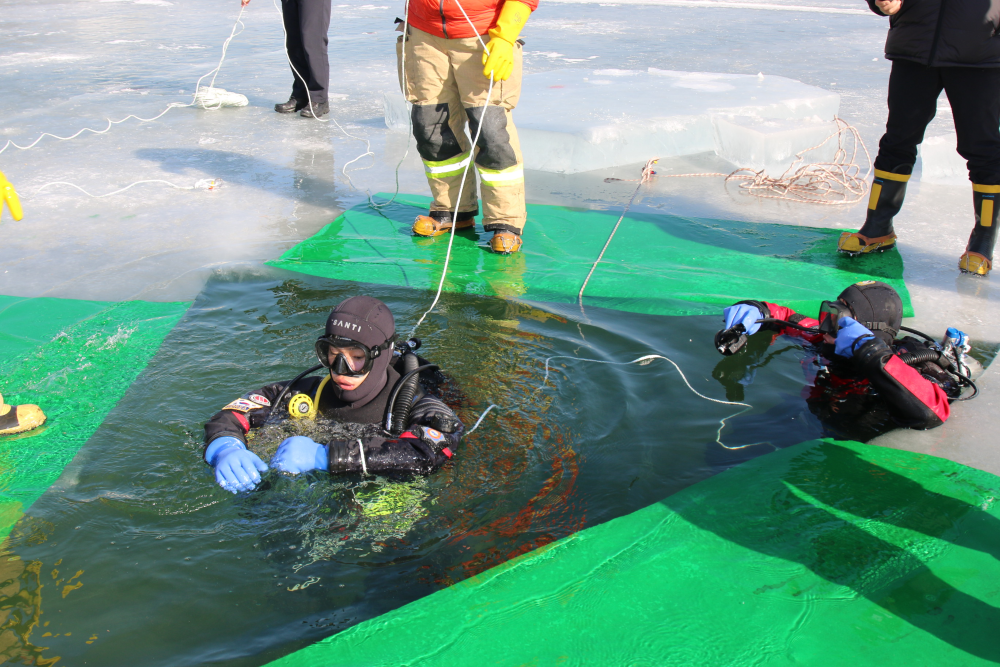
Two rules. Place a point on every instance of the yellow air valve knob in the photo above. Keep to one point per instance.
(301, 406)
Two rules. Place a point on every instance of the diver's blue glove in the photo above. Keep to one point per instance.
(300, 454)
(236, 468)
(851, 333)
(745, 314)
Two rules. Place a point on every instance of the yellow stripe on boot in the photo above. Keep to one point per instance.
(19, 418)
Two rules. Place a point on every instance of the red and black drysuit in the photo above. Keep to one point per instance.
(429, 441)
(914, 397)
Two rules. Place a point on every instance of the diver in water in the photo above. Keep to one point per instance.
(860, 368)
(367, 384)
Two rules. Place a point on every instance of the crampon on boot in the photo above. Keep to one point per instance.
(888, 190)
(19, 418)
(978, 255)
(505, 243)
(437, 223)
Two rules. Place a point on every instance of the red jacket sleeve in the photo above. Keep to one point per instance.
(789, 315)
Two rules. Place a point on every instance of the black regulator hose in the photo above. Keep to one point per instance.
(288, 386)
(389, 421)
(942, 360)
(400, 408)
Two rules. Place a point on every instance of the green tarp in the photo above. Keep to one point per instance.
(656, 264)
(826, 553)
(75, 359)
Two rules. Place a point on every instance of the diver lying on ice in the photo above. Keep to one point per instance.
(860, 369)
(369, 382)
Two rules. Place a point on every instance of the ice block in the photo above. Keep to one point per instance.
(940, 161)
(573, 120)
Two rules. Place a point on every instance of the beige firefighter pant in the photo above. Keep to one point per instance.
(449, 72)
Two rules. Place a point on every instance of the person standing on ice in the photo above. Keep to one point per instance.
(307, 23)
(442, 73)
(933, 45)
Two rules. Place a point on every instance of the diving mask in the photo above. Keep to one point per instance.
(344, 356)
(833, 310)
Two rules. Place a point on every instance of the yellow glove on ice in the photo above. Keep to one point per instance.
(9, 194)
(500, 60)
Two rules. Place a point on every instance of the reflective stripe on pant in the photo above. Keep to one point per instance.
(445, 84)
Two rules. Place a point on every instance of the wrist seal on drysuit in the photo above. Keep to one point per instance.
(419, 450)
(765, 312)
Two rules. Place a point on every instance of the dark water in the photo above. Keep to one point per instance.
(175, 571)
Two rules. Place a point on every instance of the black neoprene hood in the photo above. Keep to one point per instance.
(362, 318)
(875, 305)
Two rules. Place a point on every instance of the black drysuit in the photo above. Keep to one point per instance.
(432, 432)
(949, 45)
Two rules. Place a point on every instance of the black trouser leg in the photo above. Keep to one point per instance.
(913, 93)
(974, 93)
(291, 19)
(313, 28)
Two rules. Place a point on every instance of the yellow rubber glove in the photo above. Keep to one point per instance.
(500, 61)
(9, 194)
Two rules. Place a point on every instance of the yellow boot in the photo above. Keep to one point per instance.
(440, 222)
(877, 235)
(19, 418)
(978, 256)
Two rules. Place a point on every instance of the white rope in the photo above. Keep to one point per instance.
(649, 358)
(172, 105)
(465, 172)
(409, 116)
(647, 173)
(203, 184)
(480, 420)
(361, 448)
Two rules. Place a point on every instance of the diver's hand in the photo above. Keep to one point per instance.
(851, 333)
(236, 468)
(745, 314)
(300, 454)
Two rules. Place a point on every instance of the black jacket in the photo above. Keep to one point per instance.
(433, 430)
(944, 33)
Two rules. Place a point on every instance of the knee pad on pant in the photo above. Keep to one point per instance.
(434, 137)
(495, 151)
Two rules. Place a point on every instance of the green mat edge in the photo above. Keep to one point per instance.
(287, 262)
(13, 509)
(324, 652)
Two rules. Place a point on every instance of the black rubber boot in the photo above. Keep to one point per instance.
(978, 255)
(317, 110)
(291, 106)
(888, 191)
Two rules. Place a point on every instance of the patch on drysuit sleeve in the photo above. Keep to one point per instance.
(261, 400)
(243, 405)
(432, 436)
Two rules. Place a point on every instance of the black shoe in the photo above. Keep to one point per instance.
(291, 106)
(320, 109)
